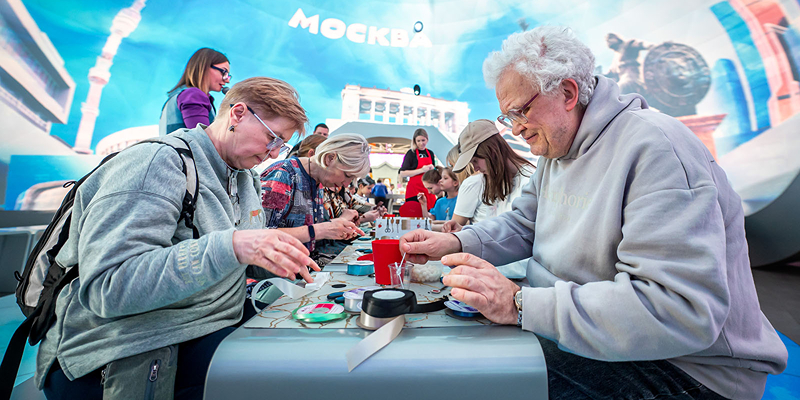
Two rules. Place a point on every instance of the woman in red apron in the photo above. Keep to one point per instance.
(417, 161)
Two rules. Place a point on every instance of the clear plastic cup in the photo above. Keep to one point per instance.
(397, 275)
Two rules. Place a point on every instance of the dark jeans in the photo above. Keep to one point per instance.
(194, 358)
(574, 377)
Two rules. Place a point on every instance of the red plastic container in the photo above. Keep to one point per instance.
(385, 252)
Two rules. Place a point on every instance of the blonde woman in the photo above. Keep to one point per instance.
(292, 189)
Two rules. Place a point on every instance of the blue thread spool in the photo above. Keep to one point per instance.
(461, 309)
(360, 268)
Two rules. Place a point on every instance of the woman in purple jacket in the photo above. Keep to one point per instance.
(189, 102)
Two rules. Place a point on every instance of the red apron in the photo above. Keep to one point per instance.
(415, 185)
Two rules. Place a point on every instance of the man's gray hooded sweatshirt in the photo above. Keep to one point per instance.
(638, 251)
(144, 282)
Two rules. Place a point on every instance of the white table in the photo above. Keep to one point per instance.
(434, 357)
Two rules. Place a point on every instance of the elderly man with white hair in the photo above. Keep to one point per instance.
(640, 279)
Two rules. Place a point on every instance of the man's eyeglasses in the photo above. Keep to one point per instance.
(277, 142)
(516, 115)
(223, 71)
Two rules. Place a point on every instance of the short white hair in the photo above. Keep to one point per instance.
(545, 56)
(352, 151)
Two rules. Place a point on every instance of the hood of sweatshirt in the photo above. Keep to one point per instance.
(603, 108)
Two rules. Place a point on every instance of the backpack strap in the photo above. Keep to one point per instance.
(33, 323)
(45, 312)
(16, 347)
(192, 180)
(192, 185)
(11, 360)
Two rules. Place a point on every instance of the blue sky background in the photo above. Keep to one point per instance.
(257, 39)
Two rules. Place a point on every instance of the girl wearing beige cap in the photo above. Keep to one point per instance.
(504, 172)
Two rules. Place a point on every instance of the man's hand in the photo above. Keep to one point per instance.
(479, 284)
(421, 245)
(276, 251)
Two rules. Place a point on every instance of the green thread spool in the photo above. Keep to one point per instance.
(319, 312)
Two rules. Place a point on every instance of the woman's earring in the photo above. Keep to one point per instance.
(231, 128)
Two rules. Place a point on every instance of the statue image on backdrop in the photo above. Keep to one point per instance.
(673, 79)
(676, 78)
(625, 68)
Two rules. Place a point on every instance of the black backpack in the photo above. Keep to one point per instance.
(43, 278)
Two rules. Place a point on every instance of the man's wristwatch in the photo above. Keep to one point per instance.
(518, 303)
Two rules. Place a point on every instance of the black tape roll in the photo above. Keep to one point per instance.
(388, 303)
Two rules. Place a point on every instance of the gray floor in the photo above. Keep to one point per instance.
(779, 294)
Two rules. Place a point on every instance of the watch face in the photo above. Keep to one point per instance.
(518, 300)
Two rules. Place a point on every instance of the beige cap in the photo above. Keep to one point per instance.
(469, 139)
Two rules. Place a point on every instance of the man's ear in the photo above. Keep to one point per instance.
(571, 93)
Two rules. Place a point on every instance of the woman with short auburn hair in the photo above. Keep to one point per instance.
(151, 290)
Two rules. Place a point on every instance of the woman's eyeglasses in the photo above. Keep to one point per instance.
(516, 115)
(223, 71)
(277, 142)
